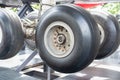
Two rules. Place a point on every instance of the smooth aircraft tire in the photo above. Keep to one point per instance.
(12, 37)
(67, 38)
(110, 31)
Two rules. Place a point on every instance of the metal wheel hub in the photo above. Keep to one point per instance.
(59, 39)
(102, 33)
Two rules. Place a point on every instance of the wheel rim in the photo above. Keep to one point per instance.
(1, 35)
(59, 39)
(102, 33)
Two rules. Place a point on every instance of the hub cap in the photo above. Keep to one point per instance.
(59, 39)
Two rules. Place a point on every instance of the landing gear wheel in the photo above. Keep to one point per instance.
(110, 33)
(11, 34)
(66, 39)
(30, 42)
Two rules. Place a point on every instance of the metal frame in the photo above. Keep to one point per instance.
(22, 12)
(26, 7)
(26, 61)
(47, 69)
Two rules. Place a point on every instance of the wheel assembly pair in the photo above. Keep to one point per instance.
(69, 38)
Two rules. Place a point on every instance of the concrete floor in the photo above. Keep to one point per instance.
(23, 55)
(106, 69)
(19, 59)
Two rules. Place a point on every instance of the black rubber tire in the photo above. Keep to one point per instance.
(111, 29)
(13, 37)
(30, 43)
(86, 35)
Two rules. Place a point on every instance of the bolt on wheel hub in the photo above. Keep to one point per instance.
(61, 39)
(102, 33)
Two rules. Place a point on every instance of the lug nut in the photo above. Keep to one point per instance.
(69, 45)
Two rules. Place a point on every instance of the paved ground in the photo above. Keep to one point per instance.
(19, 59)
(106, 69)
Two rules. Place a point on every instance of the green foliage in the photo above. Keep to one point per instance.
(14, 9)
(113, 8)
(35, 6)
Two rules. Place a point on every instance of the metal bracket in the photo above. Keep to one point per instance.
(26, 61)
(48, 71)
(26, 7)
(49, 74)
